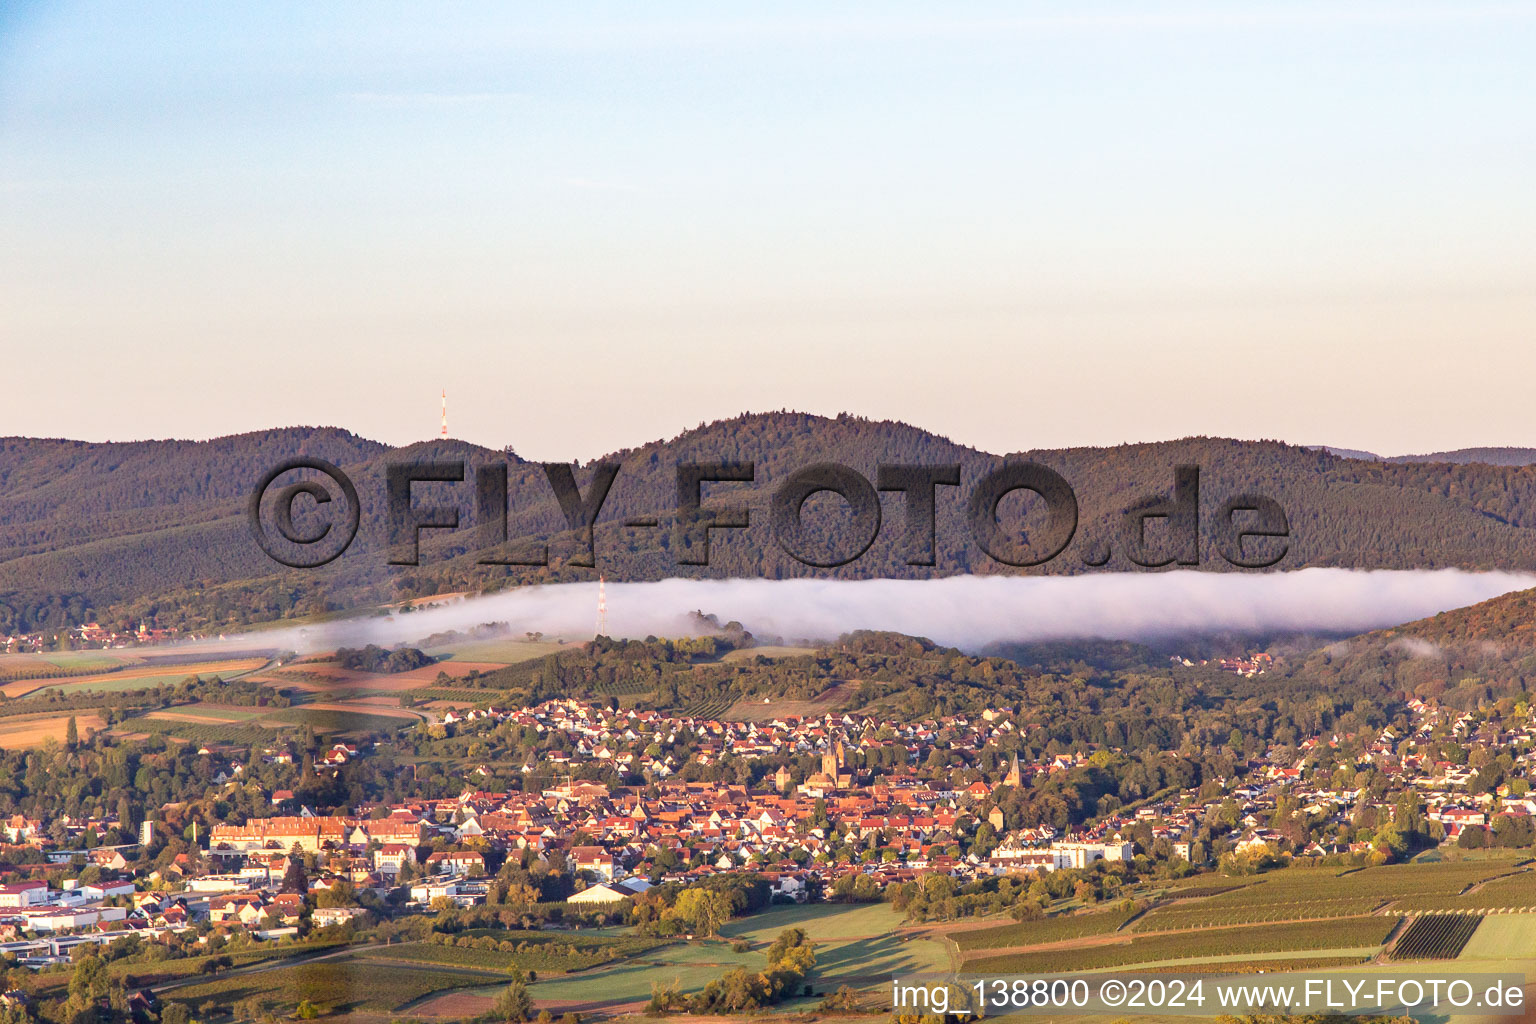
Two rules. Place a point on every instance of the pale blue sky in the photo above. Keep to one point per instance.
(1018, 225)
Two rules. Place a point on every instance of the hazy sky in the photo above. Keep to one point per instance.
(597, 225)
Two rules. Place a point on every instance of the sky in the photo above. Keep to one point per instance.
(1018, 225)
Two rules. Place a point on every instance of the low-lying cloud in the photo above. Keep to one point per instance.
(964, 611)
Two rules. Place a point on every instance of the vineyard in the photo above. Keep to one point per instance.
(1203, 889)
(336, 720)
(1436, 937)
(504, 950)
(1511, 892)
(712, 708)
(460, 694)
(1319, 894)
(15, 673)
(625, 688)
(1050, 929)
(213, 732)
(1259, 966)
(1353, 933)
(341, 987)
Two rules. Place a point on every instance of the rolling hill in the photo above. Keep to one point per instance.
(158, 528)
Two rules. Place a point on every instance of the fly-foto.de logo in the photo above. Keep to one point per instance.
(311, 519)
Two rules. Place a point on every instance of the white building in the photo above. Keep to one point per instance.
(426, 892)
(64, 919)
(24, 894)
(611, 892)
(1079, 854)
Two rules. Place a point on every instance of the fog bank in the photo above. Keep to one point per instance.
(964, 611)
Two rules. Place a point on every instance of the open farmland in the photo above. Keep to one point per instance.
(758, 710)
(214, 723)
(322, 677)
(854, 962)
(62, 665)
(131, 676)
(208, 714)
(507, 651)
(340, 986)
(1320, 893)
(1511, 892)
(341, 718)
(548, 953)
(35, 730)
(1503, 937)
(1365, 934)
(856, 945)
(823, 922)
(766, 651)
(1435, 937)
(88, 661)
(186, 967)
(714, 708)
(195, 732)
(1031, 933)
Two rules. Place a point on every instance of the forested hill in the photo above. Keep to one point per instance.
(158, 528)
(1465, 657)
(1507, 621)
(1490, 456)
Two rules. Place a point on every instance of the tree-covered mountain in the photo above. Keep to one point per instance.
(1465, 657)
(1487, 456)
(159, 528)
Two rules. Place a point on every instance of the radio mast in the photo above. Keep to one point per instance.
(602, 609)
(445, 414)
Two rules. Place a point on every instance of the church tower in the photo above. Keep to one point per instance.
(1015, 776)
(832, 761)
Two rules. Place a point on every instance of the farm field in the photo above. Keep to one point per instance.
(854, 945)
(1503, 937)
(827, 700)
(548, 953)
(1051, 929)
(713, 708)
(1363, 933)
(118, 682)
(444, 697)
(340, 718)
(822, 922)
(342, 985)
(18, 666)
(766, 651)
(139, 676)
(93, 660)
(1435, 937)
(203, 713)
(186, 967)
(1322, 893)
(194, 732)
(35, 730)
(327, 678)
(1516, 892)
(506, 651)
(215, 723)
(855, 962)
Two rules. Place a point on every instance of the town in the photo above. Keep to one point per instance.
(836, 833)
